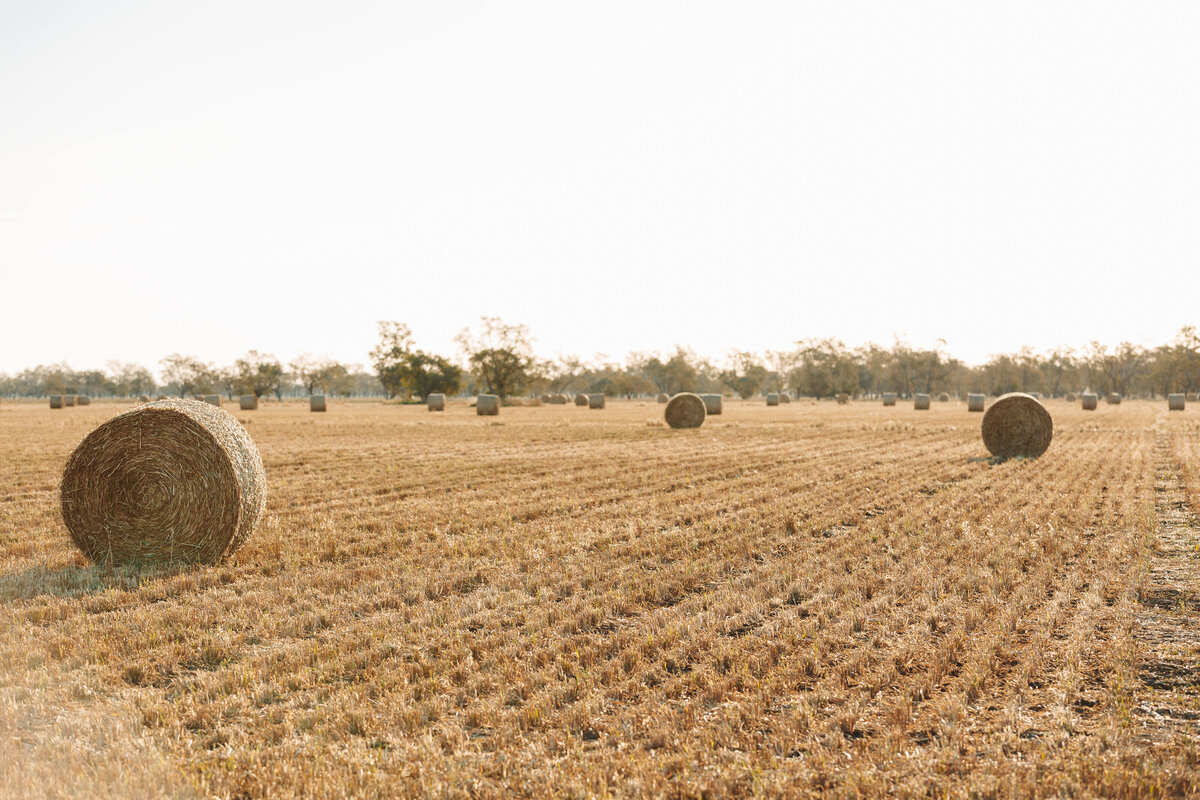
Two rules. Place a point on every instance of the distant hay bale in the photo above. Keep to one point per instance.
(161, 397)
(596, 400)
(663, 397)
(772, 398)
(249, 402)
(316, 402)
(68, 400)
(559, 399)
(975, 402)
(143, 398)
(944, 397)
(56, 401)
(581, 399)
(436, 402)
(842, 398)
(1191, 397)
(685, 410)
(1070, 397)
(784, 397)
(213, 400)
(1017, 424)
(487, 405)
(1113, 398)
(1175, 402)
(545, 399)
(83, 400)
(1089, 400)
(889, 398)
(921, 402)
(174, 480)
(712, 403)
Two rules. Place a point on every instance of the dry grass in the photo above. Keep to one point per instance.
(579, 605)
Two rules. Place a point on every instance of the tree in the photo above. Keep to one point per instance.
(388, 356)
(424, 374)
(129, 379)
(258, 374)
(501, 355)
(747, 375)
(186, 374)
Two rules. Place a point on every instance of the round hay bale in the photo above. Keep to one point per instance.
(1191, 397)
(161, 397)
(596, 400)
(56, 401)
(1175, 402)
(213, 400)
(559, 399)
(712, 403)
(1089, 400)
(889, 398)
(921, 402)
(487, 405)
(83, 400)
(944, 397)
(1113, 398)
(1070, 397)
(784, 397)
(975, 402)
(545, 399)
(663, 397)
(842, 398)
(143, 398)
(248, 402)
(772, 398)
(316, 402)
(437, 402)
(685, 410)
(174, 480)
(68, 400)
(581, 399)
(1017, 424)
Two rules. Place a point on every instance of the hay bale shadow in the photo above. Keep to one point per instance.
(79, 581)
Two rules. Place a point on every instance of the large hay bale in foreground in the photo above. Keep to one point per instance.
(83, 400)
(316, 402)
(663, 397)
(68, 400)
(248, 402)
(1070, 397)
(889, 398)
(213, 400)
(772, 398)
(487, 405)
(436, 402)
(921, 402)
(842, 399)
(174, 480)
(712, 403)
(1175, 402)
(1089, 401)
(581, 399)
(784, 397)
(944, 397)
(975, 402)
(685, 410)
(1017, 424)
(56, 401)
(1113, 398)
(596, 400)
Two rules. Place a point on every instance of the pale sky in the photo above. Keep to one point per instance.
(213, 177)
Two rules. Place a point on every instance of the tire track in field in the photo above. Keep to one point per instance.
(1168, 614)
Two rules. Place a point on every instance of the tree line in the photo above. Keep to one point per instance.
(499, 358)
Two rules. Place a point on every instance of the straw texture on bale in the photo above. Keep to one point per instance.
(685, 410)
(663, 397)
(581, 399)
(784, 397)
(436, 402)
(889, 398)
(596, 400)
(921, 402)
(712, 403)
(975, 402)
(56, 401)
(248, 402)
(1017, 424)
(1175, 402)
(1089, 401)
(1113, 398)
(213, 399)
(316, 402)
(83, 400)
(772, 398)
(487, 405)
(944, 397)
(174, 480)
(1070, 398)
(68, 399)
(842, 398)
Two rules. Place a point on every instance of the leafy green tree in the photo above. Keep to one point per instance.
(501, 356)
(186, 374)
(424, 374)
(747, 375)
(389, 355)
(258, 374)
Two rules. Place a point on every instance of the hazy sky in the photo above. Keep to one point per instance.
(219, 176)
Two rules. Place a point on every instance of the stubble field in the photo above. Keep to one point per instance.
(802, 600)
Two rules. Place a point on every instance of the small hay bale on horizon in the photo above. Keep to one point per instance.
(685, 410)
(784, 397)
(975, 401)
(1175, 402)
(1191, 397)
(889, 398)
(772, 398)
(663, 397)
(143, 398)
(1089, 401)
(1069, 397)
(170, 481)
(1017, 424)
(944, 397)
(1113, 398)
(56, 401)
(842, 398)
(316, 402)
(213, 400)
(559, 399)
(248, 402)
(487, 405)
(596, 400)
(581, 399)
(68, 400)
(921, 401)
(436, 402)
(83, 400)
(712, 403)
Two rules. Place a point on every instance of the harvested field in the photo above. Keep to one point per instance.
(793, 601)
